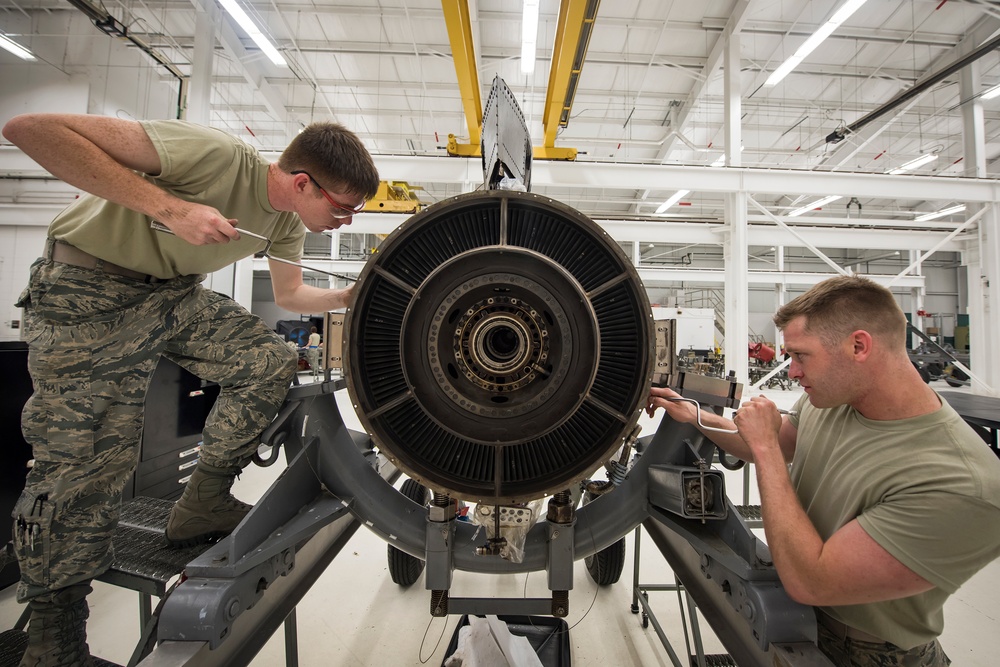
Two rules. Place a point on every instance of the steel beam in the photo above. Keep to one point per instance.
(727, 623)
(621, 176)
(573, 29)
(456, 18)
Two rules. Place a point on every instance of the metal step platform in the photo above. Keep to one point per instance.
(143, 563)
(750, 512)
(716, 660)
(143, 560)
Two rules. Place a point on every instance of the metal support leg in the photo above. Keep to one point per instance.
(145, 609)
(635, 571)
(291, 640)
(640, 596)
(692, 608)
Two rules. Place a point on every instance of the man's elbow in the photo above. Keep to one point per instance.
(285, 303)
(804, 592)
(15, 128)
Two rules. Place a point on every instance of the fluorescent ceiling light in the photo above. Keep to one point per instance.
(939, 214)
(814, 40)
(673, 200)
(915, 164)
(991, 93)
(720, 161)
(251, 29)
(8, 45)
(816, 204)
(529, 36)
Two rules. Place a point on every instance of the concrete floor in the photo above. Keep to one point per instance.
(355, 615)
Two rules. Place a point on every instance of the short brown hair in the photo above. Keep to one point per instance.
(837, 306)
(334, 156)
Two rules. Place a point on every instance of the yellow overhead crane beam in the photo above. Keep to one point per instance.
(463, 52)
(573, 30)
(394, 197)
(575, 24)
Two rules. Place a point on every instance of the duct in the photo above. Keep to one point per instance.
(840, 134)
(456, 17)
(575, 24)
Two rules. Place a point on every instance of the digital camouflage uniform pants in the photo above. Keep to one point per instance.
(94, 340)
(854, 653)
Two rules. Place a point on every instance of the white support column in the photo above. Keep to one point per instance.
(984, 289)
(733, 107)
(198, 103)
(735, 250)
(918, 297)
(984, 269)
(780, 296)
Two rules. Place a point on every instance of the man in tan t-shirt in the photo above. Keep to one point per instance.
(891, 502)
(111, 296)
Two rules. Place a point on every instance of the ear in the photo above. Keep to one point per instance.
(300, 182)
(861, 344)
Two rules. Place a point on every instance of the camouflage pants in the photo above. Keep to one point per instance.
(854, 653)
(94, 340)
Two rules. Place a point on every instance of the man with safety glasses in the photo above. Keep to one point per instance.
(111, 295)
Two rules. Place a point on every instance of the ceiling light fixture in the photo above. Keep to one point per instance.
(670, 202)
(9, 45)
(529, 36)
(939, 214)
(816, 204)
(915, 164)
(991, 93)
(251, 29)
(814, 40)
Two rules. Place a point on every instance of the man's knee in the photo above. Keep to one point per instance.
(274, 362)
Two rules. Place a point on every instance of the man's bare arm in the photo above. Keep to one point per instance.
(292, 294)
(101, 155)
(848, 568)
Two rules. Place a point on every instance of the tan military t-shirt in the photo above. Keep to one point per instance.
(200, 165)
(926, 489)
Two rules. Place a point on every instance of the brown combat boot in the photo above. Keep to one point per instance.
(206, 510)
(57, 629)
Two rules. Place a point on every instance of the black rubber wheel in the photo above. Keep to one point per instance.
(605, 567)
(404, 568)
(956, 377)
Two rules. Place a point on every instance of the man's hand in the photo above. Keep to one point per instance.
(199, 224)
(759, 422)
(679, 411)
(341, 298)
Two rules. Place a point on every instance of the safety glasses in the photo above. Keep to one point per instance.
(340, 211)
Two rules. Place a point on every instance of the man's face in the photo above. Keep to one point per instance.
(326, 210)
(824, 372)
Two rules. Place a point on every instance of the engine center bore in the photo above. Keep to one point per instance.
(499, 346)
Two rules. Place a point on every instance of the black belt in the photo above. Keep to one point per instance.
(842, 631)
(64, 253)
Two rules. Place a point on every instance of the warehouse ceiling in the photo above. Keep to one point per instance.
(651, 88)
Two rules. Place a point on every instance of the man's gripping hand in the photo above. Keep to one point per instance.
(199, 224)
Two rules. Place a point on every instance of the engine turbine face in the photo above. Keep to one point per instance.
(499, 346)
